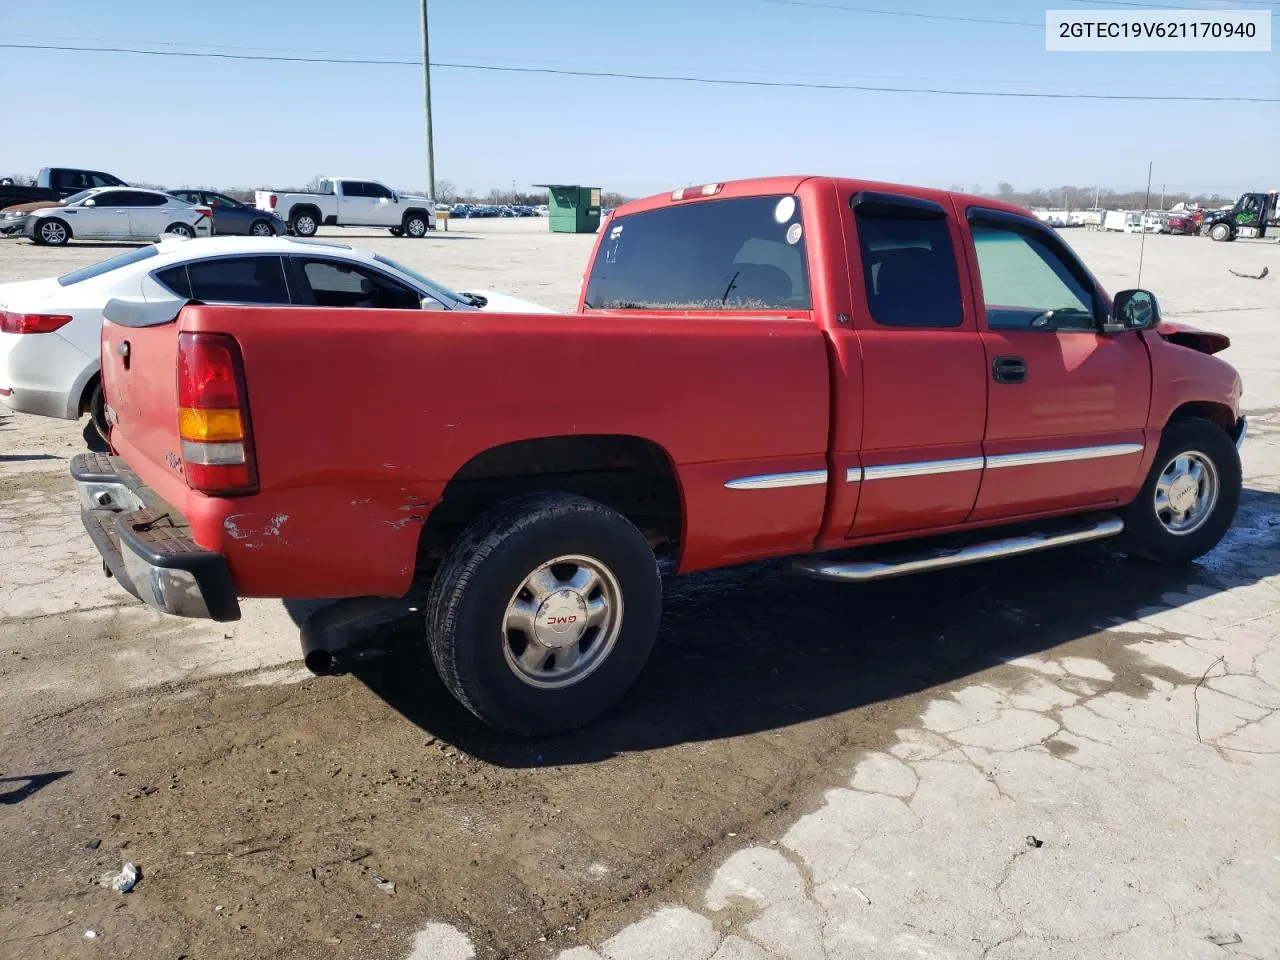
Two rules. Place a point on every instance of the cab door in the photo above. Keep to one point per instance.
(1066, 405)
(924, 398)
(356, 205)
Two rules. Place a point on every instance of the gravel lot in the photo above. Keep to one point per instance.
(806, 770)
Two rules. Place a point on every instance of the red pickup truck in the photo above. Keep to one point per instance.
(869, 378)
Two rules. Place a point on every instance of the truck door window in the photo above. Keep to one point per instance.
(251, 280)
(377, 191)
(343, 285)
(736, 254)
(353, 188)
(1026, 284)
(909, 268)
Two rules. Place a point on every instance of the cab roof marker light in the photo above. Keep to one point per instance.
(677, 194)
(711, 189)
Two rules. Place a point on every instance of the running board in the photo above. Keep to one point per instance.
(859, 571)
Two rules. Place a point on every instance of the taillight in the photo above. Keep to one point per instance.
(206, 211)
(213, 415)
(31, 322)
(272, 201)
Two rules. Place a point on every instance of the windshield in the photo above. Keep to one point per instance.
(439, 292)
(77, 197)
(106, 266)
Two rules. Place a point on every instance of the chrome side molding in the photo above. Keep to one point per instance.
(929, 468)
(775, 481)
(1063, 456)
(861, 571)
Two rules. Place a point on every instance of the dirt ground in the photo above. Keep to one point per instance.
(264, 806)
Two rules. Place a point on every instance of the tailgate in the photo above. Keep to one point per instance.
(140, 384)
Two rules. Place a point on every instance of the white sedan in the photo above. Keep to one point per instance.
(50, 328)
(107, 213)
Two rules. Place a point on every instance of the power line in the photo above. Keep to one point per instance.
(1174, 6)
(357, 56)
(671, 78)
(901, 13)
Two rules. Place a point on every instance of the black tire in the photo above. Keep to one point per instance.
(305, 223)
(483, 573)
(261, 228)
(1220, 232)
(52, 232)
(1146, 534)
(415, 225)
(98, 413)
(180, 230)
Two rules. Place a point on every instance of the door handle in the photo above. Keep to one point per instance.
(1009, 370)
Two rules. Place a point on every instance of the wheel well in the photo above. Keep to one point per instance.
(86, 395)
(419, 211)
(1218, 413)
(629, 474)
(305, 208)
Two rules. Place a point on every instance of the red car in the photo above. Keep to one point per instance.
(1186, 222)
(786, 367)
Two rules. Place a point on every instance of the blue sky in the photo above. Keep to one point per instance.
(235, 123)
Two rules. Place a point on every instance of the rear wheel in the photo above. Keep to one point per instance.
(1190, 496)
(415, 225)
(179, 230)
(305, 225)
(52, 233)
(544, 612)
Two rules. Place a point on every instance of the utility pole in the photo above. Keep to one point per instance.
(1162, 196)
(426, 90)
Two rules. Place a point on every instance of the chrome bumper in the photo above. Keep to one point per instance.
(146, 545)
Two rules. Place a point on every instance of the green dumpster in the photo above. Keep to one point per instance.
(572, 208)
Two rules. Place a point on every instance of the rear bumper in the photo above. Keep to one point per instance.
(146, 544)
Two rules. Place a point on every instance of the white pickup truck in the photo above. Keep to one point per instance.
(346, 202)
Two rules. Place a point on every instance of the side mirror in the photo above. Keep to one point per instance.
(89, 203)
(1133, 310)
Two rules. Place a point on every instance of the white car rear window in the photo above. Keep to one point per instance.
(106, 266)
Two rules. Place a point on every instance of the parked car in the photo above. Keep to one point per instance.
(56, 183)
(1185, 221)
(233, 218)
(344, 202)
(50, 328)
(514, 479)
(107, 213)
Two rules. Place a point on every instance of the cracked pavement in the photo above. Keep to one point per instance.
(806, 770)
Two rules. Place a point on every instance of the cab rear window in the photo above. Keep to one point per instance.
(735, 254)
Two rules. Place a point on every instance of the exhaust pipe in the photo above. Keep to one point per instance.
(338, 635)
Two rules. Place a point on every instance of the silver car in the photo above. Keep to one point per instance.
(231, 217)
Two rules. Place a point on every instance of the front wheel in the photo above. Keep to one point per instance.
(261, 228)
(544, 613)
(1190, 496)
(1220, 231)
(415, 225)
(52, 233)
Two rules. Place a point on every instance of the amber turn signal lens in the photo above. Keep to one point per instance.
(209, 425)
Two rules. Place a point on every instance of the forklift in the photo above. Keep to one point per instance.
(1250, 217)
